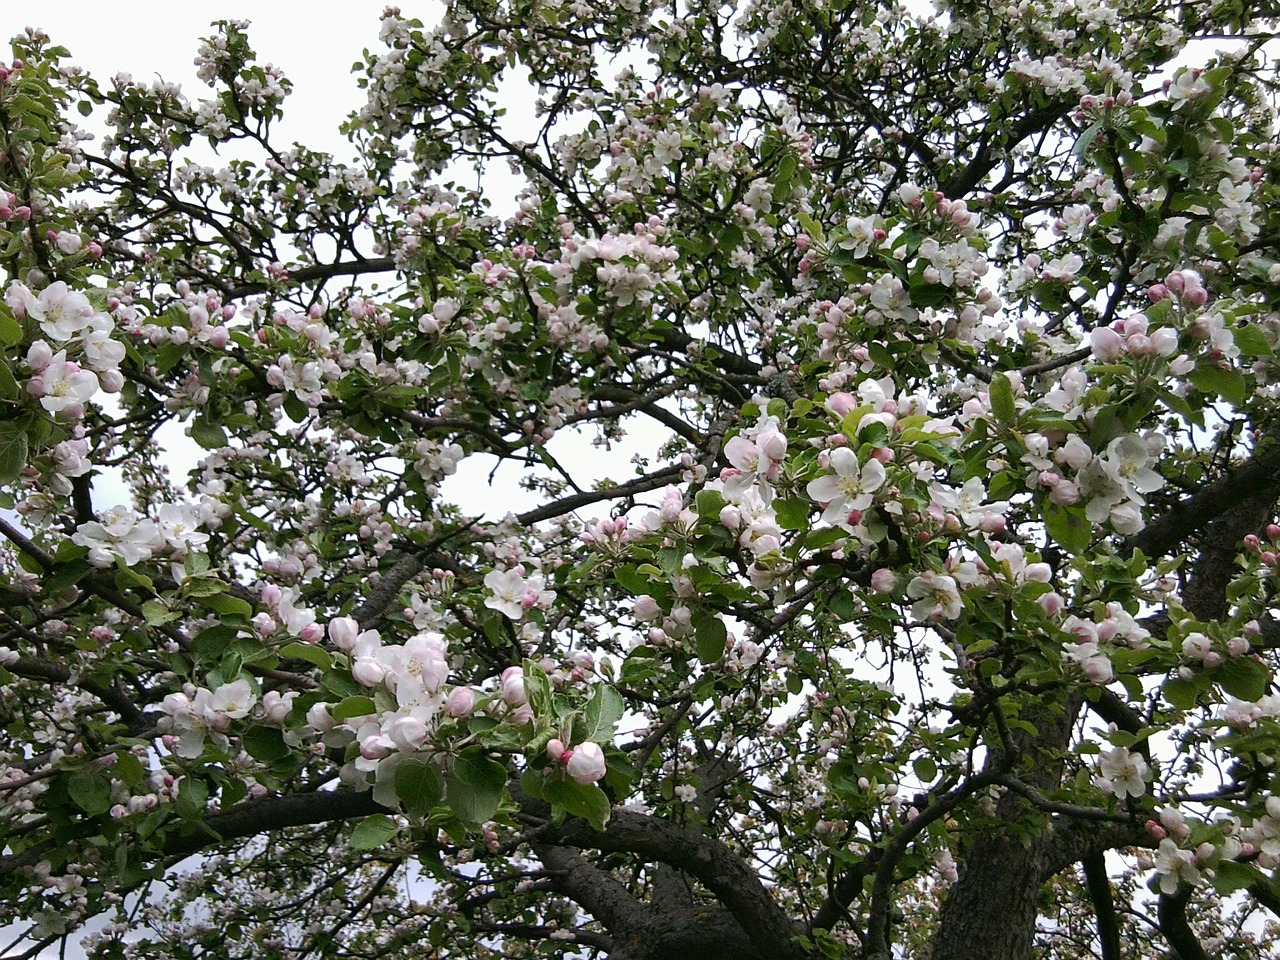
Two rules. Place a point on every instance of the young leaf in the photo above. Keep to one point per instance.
(372, 832)
(580, 799)
(1002, 404)
(603, 712)
(710, 636)
(419, 786)
(475, 786)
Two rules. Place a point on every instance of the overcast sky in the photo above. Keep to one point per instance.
(150, 38)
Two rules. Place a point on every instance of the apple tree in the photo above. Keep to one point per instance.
(826, 507)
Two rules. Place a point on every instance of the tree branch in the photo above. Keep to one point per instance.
(1104, 909)
(1171, 911)
(1259, 475)
(734, 883)
(276, 813)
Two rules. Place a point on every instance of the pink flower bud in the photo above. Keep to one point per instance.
(841, 403)
(368, 671)
(1098, 670)
(342, 631)
(1106, 345)
(884, 580)
(513, 689)
(1052, 604)
(587, 764)
(522, 715)
(1065, 494)
(461, 703)
(556, 751)
(39, 356)
(276, 707)
(646, 608)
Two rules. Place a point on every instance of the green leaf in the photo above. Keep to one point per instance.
(873, 432)
(196, 563)
(632, 580)
(793, 514)
(10, 328)
(925, 769)
(1244, 678)
(227, 605)
(307, 651)
(208, 434)
(193, 796)
(1230, 876)
(1181, 694)
(32, 565)
(710, 636)
(156, 613)
(90, 792)
(1001, 394)
(373, 832)
(580, 799)
(265, 744)
(850, 422)
(1068, 527)
(604, 710)
(1228, 384)
(419, 786)
(929, 294)
(1252, 341)
(9, 389)
(295, 408)
(1085, 140)
(709, 503)
(340, 683)
(475, 786)
(537, 686)
(353, 707)
(13, 451)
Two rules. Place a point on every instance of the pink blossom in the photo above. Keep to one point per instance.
(461, 702)
(1106, 344)
(587, 763)
(513, 687)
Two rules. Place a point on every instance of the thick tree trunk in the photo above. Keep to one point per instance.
(991, 910)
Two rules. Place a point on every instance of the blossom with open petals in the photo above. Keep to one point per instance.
(936, 596)
(1121, 773)
(63, 384)
(849, 487)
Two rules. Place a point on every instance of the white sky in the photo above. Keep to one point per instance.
(150, 38)
(314, 43)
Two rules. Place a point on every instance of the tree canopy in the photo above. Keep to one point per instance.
(925, 608)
